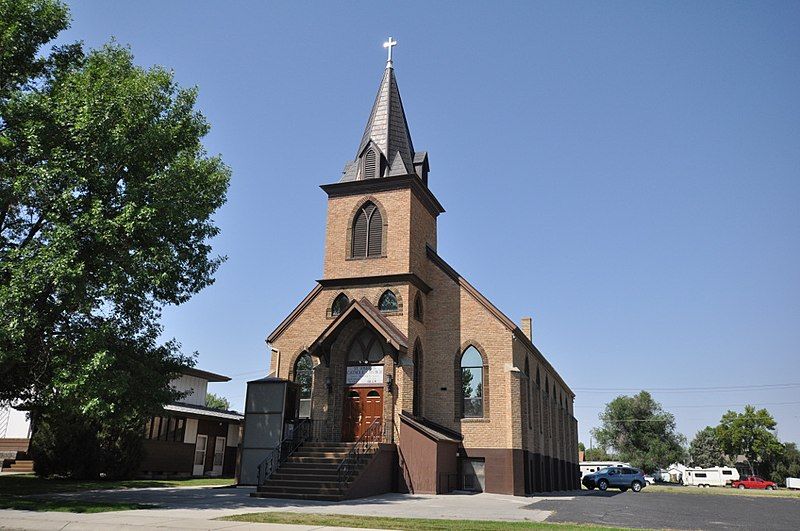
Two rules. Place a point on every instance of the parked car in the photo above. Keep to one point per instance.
(754, 482)
(623, 478)
(650, 480)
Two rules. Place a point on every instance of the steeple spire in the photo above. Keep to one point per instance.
(386, 149)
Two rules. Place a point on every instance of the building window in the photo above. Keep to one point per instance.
(366, 348)
(472, 383)
(339, 304)
(528, 392)
(370, 165)
(304, 377)
(165, 429)
(418, 308)
(388, 301)
(367, 232)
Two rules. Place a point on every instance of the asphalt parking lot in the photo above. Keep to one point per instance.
(658, 510)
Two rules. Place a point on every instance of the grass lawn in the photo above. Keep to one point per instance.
(384, 522)
(67, 506)
(27, 484)
(723, 491)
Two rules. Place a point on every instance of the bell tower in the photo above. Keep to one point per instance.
(381, 214)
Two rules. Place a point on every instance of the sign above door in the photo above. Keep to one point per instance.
(365, 375)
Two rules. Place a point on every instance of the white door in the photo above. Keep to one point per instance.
(219, 456)
(200, 448)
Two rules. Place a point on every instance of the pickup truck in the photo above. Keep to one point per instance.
(754, 482)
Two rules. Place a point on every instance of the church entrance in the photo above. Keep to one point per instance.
(362, 405)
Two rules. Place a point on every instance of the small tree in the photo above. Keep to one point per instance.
(638, 430)
(217, 402)
(705, 450)
(750, 434)
(597, 454)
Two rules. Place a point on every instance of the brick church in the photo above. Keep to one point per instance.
(394, 343)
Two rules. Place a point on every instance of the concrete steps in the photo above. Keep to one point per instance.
(310, 473)
(20, 466)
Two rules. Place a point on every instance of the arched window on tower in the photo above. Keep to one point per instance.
(418, 310)
(371, 165)
(367, 237)
(339, 304)
(304, 378)
(388, 302)
(471, 383)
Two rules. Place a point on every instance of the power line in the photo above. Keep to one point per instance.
(714, 405)
(770, 387)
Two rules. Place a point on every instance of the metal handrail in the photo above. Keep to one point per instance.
(300, 434)
(364, 446)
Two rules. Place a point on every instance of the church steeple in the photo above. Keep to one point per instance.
(386, 149)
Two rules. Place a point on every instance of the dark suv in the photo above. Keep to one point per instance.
(620, 477)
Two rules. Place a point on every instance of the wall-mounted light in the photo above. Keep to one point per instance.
(389, 383)
(328, 384)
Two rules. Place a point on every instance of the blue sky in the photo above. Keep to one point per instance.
(627, 173)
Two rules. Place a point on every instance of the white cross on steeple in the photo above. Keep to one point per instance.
(391, 43)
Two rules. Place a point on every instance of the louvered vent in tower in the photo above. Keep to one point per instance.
(370, 164)
(360, 234)
(375, 233)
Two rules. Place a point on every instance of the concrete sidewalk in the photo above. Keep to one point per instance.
(197, 507)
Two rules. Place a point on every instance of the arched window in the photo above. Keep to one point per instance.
(367, 232)
(304, 377)
(528, 385)
(388, 301)
(539, 399)
(339, 304)
(370, 165)
(416, 405)
(366, 348)
(418, 308)
(472, 383)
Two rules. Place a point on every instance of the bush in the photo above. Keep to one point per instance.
(67, 445)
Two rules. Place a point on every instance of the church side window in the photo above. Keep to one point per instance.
(304, 377)
(418, 308)
(339, 304)
(388, 302)
(367, 232)
(472, 383)
(528, 392)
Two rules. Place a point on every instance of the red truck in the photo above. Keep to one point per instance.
(754, 482)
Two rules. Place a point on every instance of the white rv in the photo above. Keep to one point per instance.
(588, 467)
(719, 476)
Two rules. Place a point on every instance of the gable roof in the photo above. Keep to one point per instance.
(281, 328)
(500, 316)
(373, 317)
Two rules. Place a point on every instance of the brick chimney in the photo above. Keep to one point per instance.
(527, 327)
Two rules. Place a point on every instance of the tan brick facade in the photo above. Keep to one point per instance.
(527, 435)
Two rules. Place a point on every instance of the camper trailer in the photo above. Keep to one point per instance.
(589, 467)
(719, 476)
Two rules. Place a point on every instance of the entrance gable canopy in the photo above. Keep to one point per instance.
(372, 317)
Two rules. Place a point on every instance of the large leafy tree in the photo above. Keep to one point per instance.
(751, 434)
(106, 204)
(705, 450)
(638, 430)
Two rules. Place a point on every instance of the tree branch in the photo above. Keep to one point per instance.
(34, 230)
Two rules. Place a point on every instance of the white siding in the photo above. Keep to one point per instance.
(196, 386)
(14, 424)
(190, 433)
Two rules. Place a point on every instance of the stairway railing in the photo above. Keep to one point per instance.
(364, 446)
(300, 434)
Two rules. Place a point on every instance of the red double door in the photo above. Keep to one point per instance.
(362, 405)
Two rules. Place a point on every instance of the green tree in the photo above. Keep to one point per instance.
(217, 402)
(786, 464)
(638, 430)
(581, 447)
(597, 454)
(751, 434)
(106, 198)
(705, 450)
